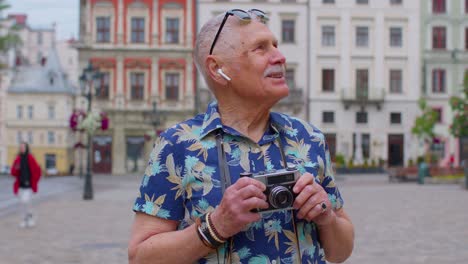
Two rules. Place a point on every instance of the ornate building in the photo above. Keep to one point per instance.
(144, 50)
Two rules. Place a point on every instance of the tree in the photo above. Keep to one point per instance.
(10, 38)
(459, 105)
(424, 126)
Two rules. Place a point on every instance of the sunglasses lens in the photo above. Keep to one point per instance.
(240, 14)
(260, 14)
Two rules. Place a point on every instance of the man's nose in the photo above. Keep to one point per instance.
(277, 57)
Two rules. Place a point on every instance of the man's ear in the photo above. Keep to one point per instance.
(212, 67)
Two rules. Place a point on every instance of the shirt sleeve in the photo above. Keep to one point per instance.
(161, 193)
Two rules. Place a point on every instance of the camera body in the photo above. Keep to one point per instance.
(279, 187)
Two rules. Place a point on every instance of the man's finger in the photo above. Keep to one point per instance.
(251, 191)
(304, 180)
(245, 181)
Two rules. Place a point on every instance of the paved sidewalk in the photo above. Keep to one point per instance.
(395, 223)
(71, 230)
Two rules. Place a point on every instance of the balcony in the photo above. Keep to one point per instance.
(363, 97)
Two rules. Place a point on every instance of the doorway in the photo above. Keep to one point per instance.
(395, 150)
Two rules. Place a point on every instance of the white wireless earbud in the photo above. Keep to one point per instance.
(220, 71)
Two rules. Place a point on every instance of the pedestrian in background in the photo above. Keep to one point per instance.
(27, 173)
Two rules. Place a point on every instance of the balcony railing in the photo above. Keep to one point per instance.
(363, 97)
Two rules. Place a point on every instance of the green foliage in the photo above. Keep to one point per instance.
(366, 164)
(350, 163)
(10, 39)
(420, 159)
(340, 160)
(410, 162)
(424, 125)
(459, 105)
(373, 163)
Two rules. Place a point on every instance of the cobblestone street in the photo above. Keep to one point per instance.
(395, 223)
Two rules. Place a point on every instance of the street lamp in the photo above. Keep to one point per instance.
(87, 78)
(155, 117)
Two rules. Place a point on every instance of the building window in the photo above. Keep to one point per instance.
(30, 137)
(361, 117)
(438, 149)
(19, 137)
(103, 29)
(395, 118)
(290, 79)
(19, 112)
(172, 86)
(138, 30)
(396, 37)
(50, 161)
(396, 2)
(328, 1)
(51, 112)
(466, 38)
(328, 80)
(328, 36)
(39, 38)
(50, 137)
(439, 114)
(438, 6)
(102, 91)
(30, 112)
(288, 28)
(137, 83)
(365, 145)
(172, 30)
(362, 2)
(362, 36)
(328, 117)
(362, 83)
(396, 82)
(438, 81)
(438, 37)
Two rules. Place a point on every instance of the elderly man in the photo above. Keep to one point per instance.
(194, 206)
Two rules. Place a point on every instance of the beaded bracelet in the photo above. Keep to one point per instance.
(216, 235)
(205, 235)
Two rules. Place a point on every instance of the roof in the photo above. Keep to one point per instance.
(47, 78)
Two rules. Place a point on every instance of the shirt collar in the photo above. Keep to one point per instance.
(212, 122)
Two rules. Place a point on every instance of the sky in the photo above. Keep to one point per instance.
(42, 13)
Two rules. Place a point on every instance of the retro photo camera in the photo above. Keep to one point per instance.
(279, 187)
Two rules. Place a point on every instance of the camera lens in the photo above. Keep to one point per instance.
(280, 197)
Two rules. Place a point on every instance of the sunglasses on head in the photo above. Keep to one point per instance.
(242, 15)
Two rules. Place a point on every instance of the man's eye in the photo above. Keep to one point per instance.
(260, 47)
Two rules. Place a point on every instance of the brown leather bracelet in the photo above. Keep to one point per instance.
(204, 233)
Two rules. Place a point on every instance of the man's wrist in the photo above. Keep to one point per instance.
(215, 222)
(329, 219)
(207, 232)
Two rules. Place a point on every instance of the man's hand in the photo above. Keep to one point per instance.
(234, 211)
(310, 199)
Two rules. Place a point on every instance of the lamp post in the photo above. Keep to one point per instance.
(155, 117)
(87, 78)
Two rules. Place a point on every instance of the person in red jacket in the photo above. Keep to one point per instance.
(27, 173)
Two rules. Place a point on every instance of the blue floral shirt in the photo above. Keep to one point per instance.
(182, 182)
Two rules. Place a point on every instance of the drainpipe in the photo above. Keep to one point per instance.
(195, 70)
(307, 91)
